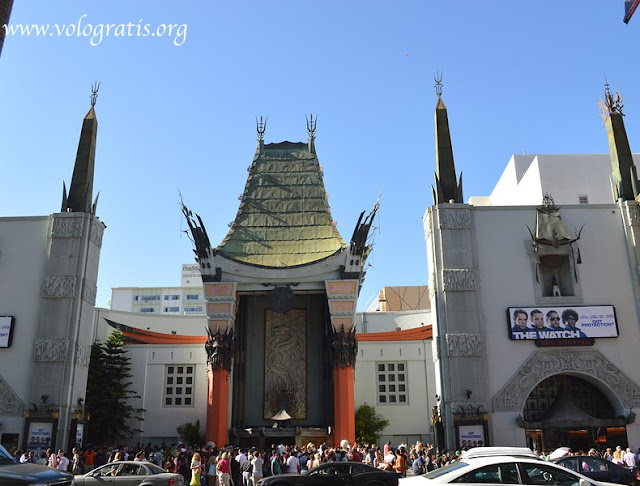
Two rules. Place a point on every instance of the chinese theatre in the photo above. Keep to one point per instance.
(281, 291)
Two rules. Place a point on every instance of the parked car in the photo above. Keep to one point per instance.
(129, 473)
(336, 473)
(601, 469)
(501, 465)
(15, 474)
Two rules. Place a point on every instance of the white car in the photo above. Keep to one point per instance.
(501, 465)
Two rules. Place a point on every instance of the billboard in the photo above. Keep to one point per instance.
(471, 436)
(6, 329)
(572, 322)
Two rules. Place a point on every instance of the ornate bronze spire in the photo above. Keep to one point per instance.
(447, 189)
(81, 189)
(624, 177)
(311, 128)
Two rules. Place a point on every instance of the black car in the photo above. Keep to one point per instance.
(336, 473)
(600, 469)
(12, 473)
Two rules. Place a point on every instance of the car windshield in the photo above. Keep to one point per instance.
(436, 473)
(5, 457)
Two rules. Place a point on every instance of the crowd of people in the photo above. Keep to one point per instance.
(234, 466)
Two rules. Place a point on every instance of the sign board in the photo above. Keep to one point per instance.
(6, 331)
(39, 437)
(550, 323)
(471, 436)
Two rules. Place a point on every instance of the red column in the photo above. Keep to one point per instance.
(218, 406)
(344, 412)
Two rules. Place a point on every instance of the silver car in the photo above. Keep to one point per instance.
(129, 473)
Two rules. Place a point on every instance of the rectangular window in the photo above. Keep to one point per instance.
(197, 308)
(171, 309)
(147, 309)
(193, 297)
(149, 298)
(583, 199)
(171, 297)
(392, 383)
(178, 396)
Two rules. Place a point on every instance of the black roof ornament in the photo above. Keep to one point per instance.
(94, 93)
(261, 127)
(438, 79)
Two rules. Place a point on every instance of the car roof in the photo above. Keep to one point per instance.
(498, 451)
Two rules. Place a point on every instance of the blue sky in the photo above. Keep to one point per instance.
(517, 76)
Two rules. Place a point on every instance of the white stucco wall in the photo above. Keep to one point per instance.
(24, 246)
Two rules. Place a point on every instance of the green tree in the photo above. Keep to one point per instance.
(369, 424)
(190, 433)
(108, 392)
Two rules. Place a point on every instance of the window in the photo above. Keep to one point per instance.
(171, 297)
(193, 297)
(172, 309)
(175, 393)
(494, 474)
(147, 309)
(583, 199)
(392, 383)
(149, 298)
(193, 309)
(548, 475)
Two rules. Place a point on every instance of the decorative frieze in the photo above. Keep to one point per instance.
(435, 348)
(454, 219)
(464, 344)
(51, 350)
(428, 224)
(83, 354)
(89, 291)
(542, 364)
(97, 230)
(58, 286)
(459, 279)
(10, 404)
(633, 213)
(65, 227)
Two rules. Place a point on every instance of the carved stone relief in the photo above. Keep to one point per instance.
(51, 350)
(83, 354)
(285, 359)
(633, 213)
(53, 287)
(464, 344)
(97, 230)
(435, 348)
(542, 364)
(10, 404)
(89, 291)
(454, 218)
(428, 224)
(433, 284)
(67, 228)
(459, 279)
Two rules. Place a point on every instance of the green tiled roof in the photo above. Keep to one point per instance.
(284, 218)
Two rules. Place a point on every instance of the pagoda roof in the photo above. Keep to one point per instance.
(284, 219)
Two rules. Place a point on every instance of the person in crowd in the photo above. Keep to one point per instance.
(211, 467)
(292, 463)
(257, 463)
(63, 461)
(195, 469)
(89, 457)
(223, 469)
(43, 460)
(246, 469)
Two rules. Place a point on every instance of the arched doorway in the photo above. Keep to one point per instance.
(565, 410)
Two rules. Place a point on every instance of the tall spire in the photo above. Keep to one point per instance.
(5, 12)
(624, 177)
(81, 189)
(447, 188)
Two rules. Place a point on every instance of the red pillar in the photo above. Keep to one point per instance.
(344, 412)
(217, 406)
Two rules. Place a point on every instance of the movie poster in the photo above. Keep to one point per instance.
(39, 438)
(573, 322)
(471, 436)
